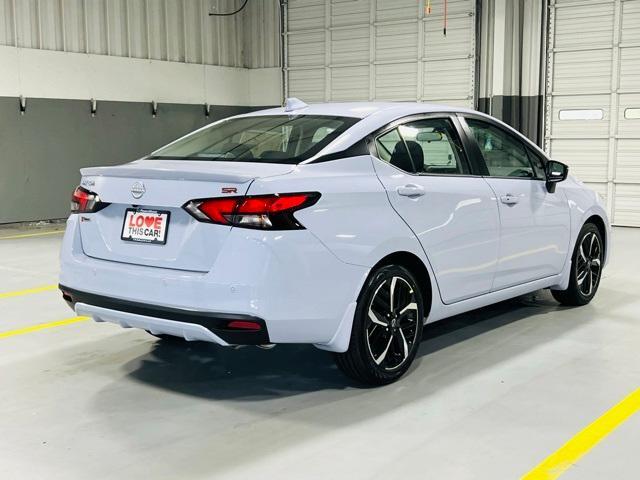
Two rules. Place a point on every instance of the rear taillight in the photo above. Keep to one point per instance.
(84, 201)
(268, 212)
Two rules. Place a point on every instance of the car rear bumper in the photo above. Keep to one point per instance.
(189, 324)
(287, 280)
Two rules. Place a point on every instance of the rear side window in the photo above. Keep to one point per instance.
(270, 139)
(428, 146)
(388, 143)
(434, 146)
(503, 153)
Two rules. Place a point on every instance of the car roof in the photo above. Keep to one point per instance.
(362, 109)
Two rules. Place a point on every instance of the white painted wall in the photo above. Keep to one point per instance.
(170, 30)
(141, 51)
(265, 86)
(65, 75)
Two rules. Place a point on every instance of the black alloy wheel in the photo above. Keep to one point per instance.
(586, 268)
(387, 327)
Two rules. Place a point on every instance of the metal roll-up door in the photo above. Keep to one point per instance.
(593, 98)
(360, 50)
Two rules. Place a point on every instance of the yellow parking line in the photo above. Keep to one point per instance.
(26, 235)
(28, 291)
(42, 326)
(556, 464)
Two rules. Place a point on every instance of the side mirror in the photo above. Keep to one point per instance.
(555, 172)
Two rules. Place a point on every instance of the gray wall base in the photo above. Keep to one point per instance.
(42, 151)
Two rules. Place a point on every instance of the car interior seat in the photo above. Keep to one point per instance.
(400, 157)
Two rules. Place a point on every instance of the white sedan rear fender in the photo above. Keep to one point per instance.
(353, 217)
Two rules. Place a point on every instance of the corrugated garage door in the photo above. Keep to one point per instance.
(340, 50)
(593, 98)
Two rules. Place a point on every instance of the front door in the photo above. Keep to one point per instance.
(534, 233)
(453, 213)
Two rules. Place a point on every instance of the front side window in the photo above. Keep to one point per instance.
(503, 154)
(428, 146)
(538, 163)
(270, 139)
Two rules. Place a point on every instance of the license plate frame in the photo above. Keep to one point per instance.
(149, 211)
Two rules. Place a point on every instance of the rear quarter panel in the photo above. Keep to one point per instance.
(353, 217)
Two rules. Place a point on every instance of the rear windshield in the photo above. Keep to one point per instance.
(270, 139)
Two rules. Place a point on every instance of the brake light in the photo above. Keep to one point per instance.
(84, 201)
(269, 212)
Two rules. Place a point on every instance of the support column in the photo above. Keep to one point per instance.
(512, 59)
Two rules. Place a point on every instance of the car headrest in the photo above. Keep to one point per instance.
(401, 159)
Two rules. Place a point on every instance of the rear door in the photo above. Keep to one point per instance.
(534, 234)
(453, 212)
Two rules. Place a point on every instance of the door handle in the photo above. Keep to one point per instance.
(509, 199)
(411, 190)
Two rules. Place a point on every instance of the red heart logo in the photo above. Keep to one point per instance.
(149, 221)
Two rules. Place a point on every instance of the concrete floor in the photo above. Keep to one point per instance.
(491, 394)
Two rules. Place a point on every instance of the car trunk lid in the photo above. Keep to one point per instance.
(164, 186)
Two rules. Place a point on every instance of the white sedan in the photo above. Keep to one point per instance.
(346, 226)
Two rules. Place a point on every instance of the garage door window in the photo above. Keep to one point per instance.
(503, 154)
(575, 114)
(632, 113)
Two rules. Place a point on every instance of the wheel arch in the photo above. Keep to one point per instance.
(416, 266)
(598, 221)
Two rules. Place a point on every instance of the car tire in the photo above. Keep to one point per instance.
(387, 327)
(586, 268)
